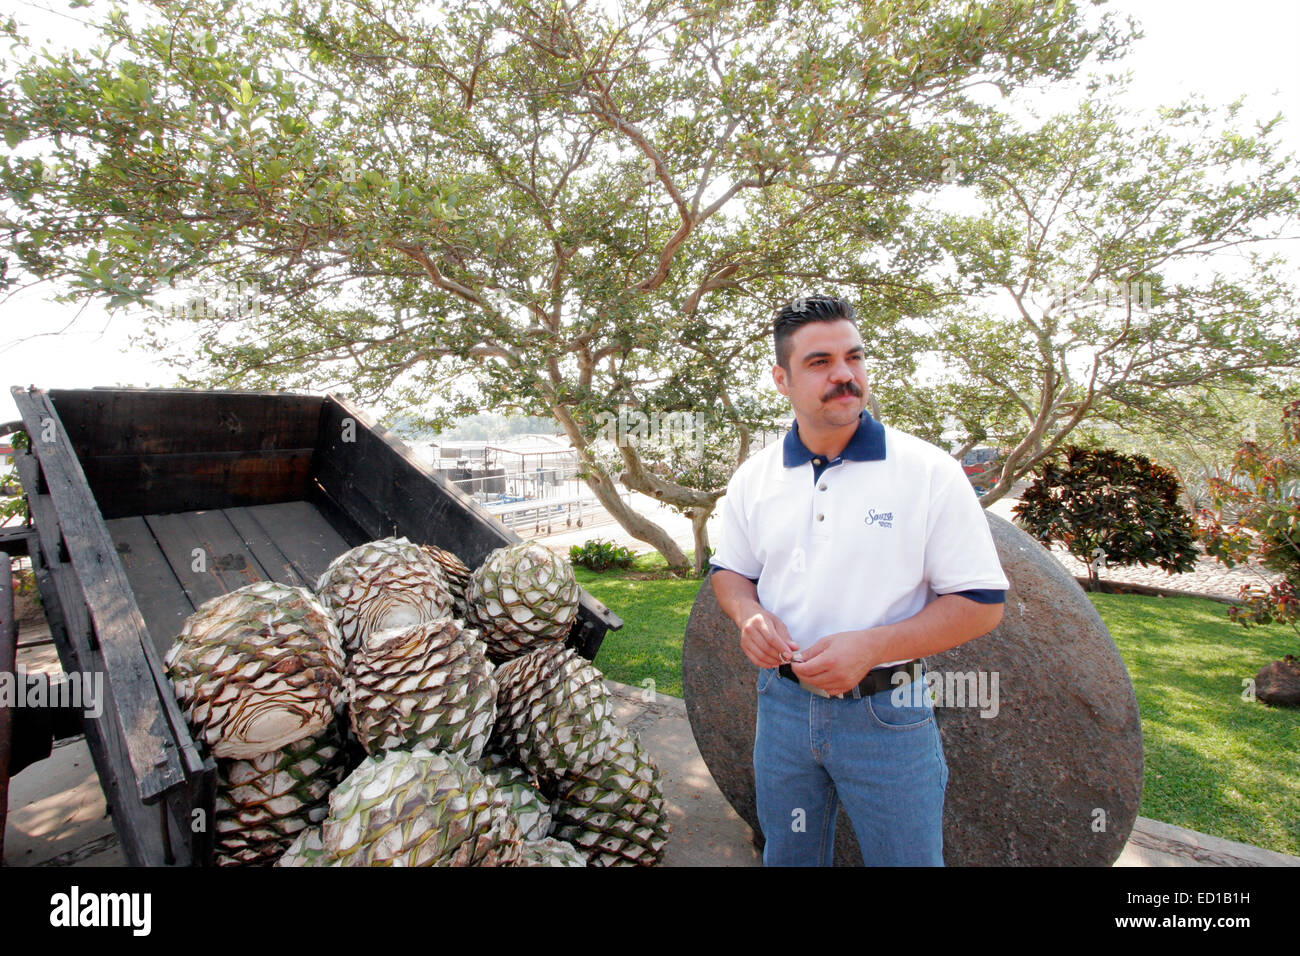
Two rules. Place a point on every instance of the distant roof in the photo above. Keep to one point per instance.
(514, 445)
(531, 444)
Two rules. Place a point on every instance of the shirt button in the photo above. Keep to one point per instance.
(821, 487)
(821, 517)
(817, 461)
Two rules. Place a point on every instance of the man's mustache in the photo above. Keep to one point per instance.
(848, 388)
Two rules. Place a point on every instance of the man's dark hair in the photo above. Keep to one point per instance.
(799, 312)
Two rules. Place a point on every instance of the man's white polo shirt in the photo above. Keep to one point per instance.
(876, 535)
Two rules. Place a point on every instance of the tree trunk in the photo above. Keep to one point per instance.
(634, 523)
(700, 530)
(999, 488)
(602, 485)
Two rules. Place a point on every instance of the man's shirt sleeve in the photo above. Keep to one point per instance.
(959, 550)
(734, 550)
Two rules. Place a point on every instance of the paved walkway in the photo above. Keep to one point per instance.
(1210, 579)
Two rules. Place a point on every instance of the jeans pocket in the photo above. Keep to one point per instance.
(902, 707)
(765, 677)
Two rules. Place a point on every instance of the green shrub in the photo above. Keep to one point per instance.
(600, 555)
(1110, 509)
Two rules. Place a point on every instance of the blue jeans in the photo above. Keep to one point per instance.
(883, 760)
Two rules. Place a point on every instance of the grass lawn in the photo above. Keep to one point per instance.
(1214, 762)
(654, 608)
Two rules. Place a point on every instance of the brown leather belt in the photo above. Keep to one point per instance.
(882, 678)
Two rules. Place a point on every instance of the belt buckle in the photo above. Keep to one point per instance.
(814, 689)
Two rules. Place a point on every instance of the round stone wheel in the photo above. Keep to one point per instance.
(1053, 778)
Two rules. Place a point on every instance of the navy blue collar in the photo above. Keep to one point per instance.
(867, 444)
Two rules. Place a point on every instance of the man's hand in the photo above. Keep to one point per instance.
(763, 636)
(765, 640)
(838, 662)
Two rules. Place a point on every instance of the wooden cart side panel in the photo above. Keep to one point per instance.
(154, 451)
(155, 421)
(156, 484)
(116, 627)
(133, 821)
(63, 602)
(378, 480)
(379, 483)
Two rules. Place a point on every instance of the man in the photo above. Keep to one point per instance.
(848, 552)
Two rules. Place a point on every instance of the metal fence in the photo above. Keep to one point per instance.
(541, 501)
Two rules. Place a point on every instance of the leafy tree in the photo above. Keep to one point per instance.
(1200, 446)
(570, 207)
(1255, 520)
(1096, 283)
(1109, 508)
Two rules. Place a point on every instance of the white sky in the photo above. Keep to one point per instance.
(1220, 50)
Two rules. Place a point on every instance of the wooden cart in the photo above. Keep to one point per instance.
(147, 502)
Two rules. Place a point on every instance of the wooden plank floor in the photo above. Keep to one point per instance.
(176, 562)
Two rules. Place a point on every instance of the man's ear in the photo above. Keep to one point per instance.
(779, 376)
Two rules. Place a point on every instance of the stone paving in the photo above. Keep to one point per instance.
(1210, 579)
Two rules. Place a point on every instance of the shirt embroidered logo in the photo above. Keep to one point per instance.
(883, 519)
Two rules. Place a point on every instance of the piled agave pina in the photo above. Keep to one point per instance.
(520, 791)
(454, 572)
(427, 685)
(412, 808)
(614, 811)
(264, 802)
(522, 596)
(551, 852)
(554, 717)
(552, 712)
(307, 849)
(383, 585)
(257, 669)
(260, 673)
